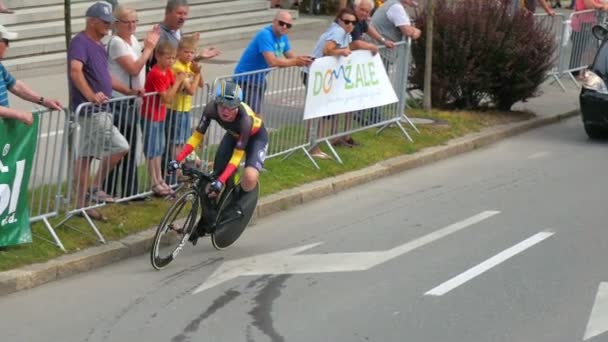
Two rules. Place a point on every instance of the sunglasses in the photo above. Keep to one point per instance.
(348, 22)
(284, 24)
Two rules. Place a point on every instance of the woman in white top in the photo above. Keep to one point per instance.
(127, 62)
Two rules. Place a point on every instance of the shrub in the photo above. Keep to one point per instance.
(482, 51)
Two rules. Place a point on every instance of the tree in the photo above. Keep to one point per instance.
(428, 60)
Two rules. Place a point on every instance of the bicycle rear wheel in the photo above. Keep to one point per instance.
(174, 230)
(236, 215)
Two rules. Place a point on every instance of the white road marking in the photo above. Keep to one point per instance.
(287, 262)
(488, 264)
(598, 320)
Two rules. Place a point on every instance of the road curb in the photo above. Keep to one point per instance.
(137, 244)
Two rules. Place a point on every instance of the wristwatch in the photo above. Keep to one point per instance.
(41, 100)
(382, 39)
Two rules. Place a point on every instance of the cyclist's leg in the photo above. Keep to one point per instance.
(222, 157)
(255, 153)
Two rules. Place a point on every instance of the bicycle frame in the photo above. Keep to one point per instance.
(209, 204)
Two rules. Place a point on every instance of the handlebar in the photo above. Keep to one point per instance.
(192, 172)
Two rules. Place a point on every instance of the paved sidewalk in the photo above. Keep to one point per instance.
(552, 105)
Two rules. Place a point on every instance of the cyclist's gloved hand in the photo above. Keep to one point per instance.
(216, 186)
(173, 165)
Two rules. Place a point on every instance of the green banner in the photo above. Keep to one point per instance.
(17, 148)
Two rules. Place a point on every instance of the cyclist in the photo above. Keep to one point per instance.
(245, 137)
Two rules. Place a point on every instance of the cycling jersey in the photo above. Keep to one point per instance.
(247, 129)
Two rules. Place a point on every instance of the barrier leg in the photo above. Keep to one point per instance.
(89, 221)
(333, 152)
(411, 124)
(312, 160)
(398, 123)
(48, 226)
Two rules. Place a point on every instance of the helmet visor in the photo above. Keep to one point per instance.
(229, 101)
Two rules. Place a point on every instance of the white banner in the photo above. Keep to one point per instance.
(346, 84)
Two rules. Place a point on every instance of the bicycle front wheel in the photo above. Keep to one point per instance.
(174, 229)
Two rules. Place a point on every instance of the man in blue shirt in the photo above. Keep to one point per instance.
(9, 83)
(269, 48)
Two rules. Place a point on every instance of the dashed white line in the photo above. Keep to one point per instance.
(488, 264)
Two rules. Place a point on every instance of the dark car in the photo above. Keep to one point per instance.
(594, 94)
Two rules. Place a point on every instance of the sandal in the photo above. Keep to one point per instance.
(6, 11)
(94, 215)
(160, 191)
(97, 195)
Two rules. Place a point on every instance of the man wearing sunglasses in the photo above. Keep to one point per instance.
(269, 48)
(9, 83)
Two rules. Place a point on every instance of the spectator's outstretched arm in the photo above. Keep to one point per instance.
(372, 32)
(332, 49)
(23, 91)
(360, 44)
(545, 5)
(290, 59)
(10, 113)
(410, 31)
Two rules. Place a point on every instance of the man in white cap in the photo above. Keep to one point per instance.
(19, 88)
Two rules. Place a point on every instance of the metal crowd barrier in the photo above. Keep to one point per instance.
(279, 96)
(116, 131)
(397, 64)
(579, 51)
(48, 170)
(554, 24)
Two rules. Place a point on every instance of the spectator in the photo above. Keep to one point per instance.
(176, 13)
(127, 61)
(178, 113)
(161, 80)
(530, 6)
(392, 22)
(4, 9)
(334, 41)
(363, 8)
(90, 81)
(269, 48)
(17, 87)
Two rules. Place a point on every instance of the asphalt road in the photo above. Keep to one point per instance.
(507, 243)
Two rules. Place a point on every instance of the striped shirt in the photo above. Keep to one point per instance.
(6, 82)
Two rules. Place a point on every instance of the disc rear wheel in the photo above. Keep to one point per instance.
(174, 229)
(236, 216)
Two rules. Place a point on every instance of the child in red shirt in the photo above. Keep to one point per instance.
(161, 80)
